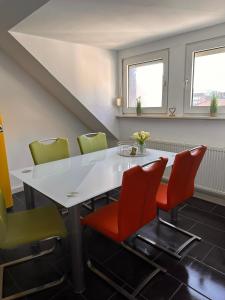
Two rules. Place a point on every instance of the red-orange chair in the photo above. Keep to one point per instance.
(136, 207)
(179, 188)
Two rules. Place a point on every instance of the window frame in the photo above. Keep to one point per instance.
(162, 55)
(213, 44)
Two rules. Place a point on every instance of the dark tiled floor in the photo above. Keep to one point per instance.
(199, 275)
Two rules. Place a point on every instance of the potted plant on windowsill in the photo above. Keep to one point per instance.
(214, 105)
(138, 106)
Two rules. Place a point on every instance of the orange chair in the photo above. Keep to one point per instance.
(136, 207)
(179, 189)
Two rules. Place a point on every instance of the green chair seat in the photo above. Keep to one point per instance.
(92, 142)
(42, 152)
(25, 227)
(32, 225)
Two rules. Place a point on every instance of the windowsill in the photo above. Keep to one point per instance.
(158, 116)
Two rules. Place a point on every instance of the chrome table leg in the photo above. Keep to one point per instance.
(29, 196)
(75, 236)
(30, 204)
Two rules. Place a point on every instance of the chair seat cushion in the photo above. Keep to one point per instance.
(104, 220)
(33, 225)
(161, 197)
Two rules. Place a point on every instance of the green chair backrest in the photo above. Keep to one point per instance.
(43, 152)
(92, 142)
(3, 218)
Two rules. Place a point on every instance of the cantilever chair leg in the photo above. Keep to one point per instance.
(143, 257)
(179, 188)
(112, 283)
(32, 290)
(172, 252)
(116, 286)
(119, 224)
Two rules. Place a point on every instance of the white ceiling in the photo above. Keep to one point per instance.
(117, 24)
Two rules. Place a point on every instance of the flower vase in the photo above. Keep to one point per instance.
(142, 148)
(214, 106)
(138, 110)
(213, 114)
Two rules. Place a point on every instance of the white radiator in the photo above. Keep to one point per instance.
(211, 174)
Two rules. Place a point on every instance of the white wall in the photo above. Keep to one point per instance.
(210, 132)
(88, 73)
(30, 113)
(193, 132)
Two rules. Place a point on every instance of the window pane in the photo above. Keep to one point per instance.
(209, 77)
(145, 81)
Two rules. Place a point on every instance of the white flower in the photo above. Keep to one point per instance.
(138, 99)
(141, 136)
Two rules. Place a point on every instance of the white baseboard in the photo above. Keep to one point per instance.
(217, 199)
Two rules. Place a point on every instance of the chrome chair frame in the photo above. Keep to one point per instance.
(176, 252)
(25, 259)
(112, 283)
(116, 286)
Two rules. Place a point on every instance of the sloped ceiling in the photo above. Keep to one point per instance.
(79, 25)
(12, 12)
(86, 72)
(116, 24)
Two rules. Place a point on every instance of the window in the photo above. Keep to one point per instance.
(205, 76)
(146, 76)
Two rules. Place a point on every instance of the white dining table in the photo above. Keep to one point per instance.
(72, 181)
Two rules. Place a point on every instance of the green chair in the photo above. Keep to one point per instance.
(26, 227)
(92, 142)
(43, 152)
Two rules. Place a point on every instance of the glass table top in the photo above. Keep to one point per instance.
(74, 180)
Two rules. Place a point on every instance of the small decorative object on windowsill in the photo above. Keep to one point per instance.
(172, 111)
(141, 137)
(214, 106)
(119, 102)
(138, 106)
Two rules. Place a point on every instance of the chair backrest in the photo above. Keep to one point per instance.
(43, 151)
(3, 218)
(137, 202)
(92, 142)
(182, 177)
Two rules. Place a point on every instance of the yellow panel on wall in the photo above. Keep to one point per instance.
(4, 171)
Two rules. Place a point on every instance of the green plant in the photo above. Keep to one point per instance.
(214, 105)
(138, 107)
